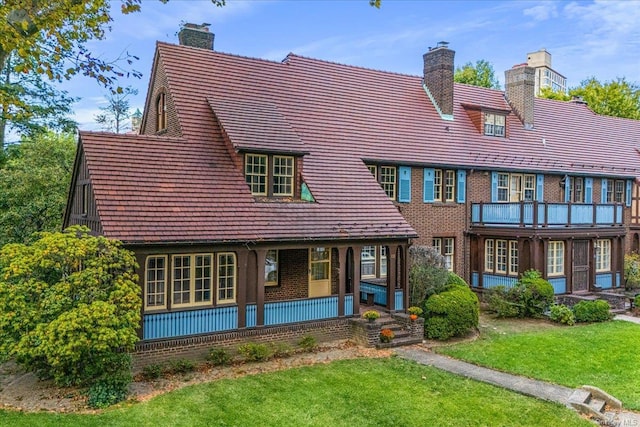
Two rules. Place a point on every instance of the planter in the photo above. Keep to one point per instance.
(413, 316)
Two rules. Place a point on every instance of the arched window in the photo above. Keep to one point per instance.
(161, 109)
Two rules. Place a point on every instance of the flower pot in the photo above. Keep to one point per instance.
(413, 316)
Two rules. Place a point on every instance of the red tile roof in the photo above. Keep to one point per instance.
(163, 189)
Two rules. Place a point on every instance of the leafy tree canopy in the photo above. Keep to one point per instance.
(33, 185)
(481, 74)
(69, 301)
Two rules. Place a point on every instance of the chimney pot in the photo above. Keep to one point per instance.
(438, 76)
(196, 35)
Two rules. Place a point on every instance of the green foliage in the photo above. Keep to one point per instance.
(636, 301)
(281, 349)
(219, 357)
(632, 271)
(451, 313)
(427, 273)
(308, 343)
(33, 186)
(592, 311)
(481, 74)
(415, 310)
(560, 313)
(529, 297)
(454, 281)
(153, 371)
(548, 93)
(386, 335)
(181, 366)
(107, 392)
(70, 304)
(254, 352)
(371, 315)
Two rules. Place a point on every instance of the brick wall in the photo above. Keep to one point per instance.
(158, 85)
(294, 276)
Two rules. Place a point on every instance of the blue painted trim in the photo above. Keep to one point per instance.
(348, 305)
(404, 184)
(462, 186)
(494, 187)
(559, 285)
(628, 198)
(475, 279)
(379, 292)
(399, 300)
(604, 280)
(251, 316)
(617, 280)
(540, 187)
(604, 183)
(492, 280)
(427, 189)
(281, 312)
(588, 190)
(189, 322)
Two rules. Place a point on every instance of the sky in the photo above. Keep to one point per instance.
(585, 38)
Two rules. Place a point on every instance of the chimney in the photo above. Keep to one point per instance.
(195, 35)
(520, 90)
(438, 77)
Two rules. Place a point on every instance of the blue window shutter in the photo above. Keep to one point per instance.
(494, 187)
(540, 187)
(567, 184)
(462, 185)
(588, 190)
(428, 185)
(603, 198)
(628, 198)
(404, 188)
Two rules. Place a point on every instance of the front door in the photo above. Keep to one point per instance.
(580, 281)
(319, 272)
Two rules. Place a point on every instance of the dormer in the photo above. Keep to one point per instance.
(488, 121)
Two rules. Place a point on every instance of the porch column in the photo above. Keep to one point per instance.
(261, 256)
(479, 265)
(342, 281)
(616, 250)
(392, 274)
(568, 263)
(357, 253)
(405, 274)
(241, 291)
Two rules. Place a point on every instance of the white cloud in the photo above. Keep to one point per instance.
(542, 12)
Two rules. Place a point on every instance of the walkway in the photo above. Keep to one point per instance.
(527, 386)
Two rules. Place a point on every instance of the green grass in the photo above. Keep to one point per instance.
(605, 355)
(363, 392)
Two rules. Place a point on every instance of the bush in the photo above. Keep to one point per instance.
(281, 349)
(451, 313)
(636, 301)
(427, 274)
(107, 392)
(219, 357)
(529, 297)
(308, 343)
(501, 302)
(560, 313)
(152, 372)
(253, 352)
(592, 311)
(371, 315)
(181, 366)
(631, 271)
(453, 281)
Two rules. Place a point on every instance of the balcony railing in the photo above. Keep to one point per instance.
(536, 214)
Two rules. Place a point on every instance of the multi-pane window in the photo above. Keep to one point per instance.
(444, 185)
(155, 282)
(516, 187)
(529, 193)
(619, 192)
(383, 261)
(449, 185)
(320, 263)
(603, 255)
(574, 189)
(271, 268)
(437, 185)
(615, 190)
(226, 277)
(368, 262)
(282, 176)
(446, 247)
(255, 173)
(161, 110)
(503, 187)
(501, 256)
(494, 124)
(388, 180)
(555, 258)
(191, 281)
(374, 171)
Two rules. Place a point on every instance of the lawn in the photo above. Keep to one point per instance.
(605, 355)
(362, 392)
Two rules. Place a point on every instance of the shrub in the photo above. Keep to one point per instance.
(371, 315)
(453, 281)
(254, 352)
(636, 301)
(415, 310)
(308, 343)
(386, 335)
(631, 271)
(500, 301)
(529, 297)
(152, 372)
(451, 313)
(219, 357)
(107, 392)
(592, 311)
(427, 273)
(181, 366)
(281, 349)
(560, 313)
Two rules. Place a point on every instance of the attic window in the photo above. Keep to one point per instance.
(494, 124)
(161, 108)
(270, 175)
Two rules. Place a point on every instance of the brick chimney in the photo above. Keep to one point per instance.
(438, 77)
(195, 35)
(520, 82)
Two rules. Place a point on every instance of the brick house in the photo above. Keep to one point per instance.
(266, 198)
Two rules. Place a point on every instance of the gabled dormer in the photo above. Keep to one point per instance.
(488, 121)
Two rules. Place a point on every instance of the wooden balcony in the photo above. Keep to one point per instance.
(546, 215)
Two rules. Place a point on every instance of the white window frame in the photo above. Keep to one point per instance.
(446, 246)
(503, 187)
(603, 255)
(513, 258)
(449, 185)
(388, 180)
(192, 279)
(155, 282)
(368, 262)
(437, 185)
(489, 255)
(233, 268)
(283, 173)
(383, 261)
(494, 124)
(501, 257)
(256, 179)
(555, 258)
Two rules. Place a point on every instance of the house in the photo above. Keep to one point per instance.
(264, 199)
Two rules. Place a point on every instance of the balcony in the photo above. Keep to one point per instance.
(546, 215)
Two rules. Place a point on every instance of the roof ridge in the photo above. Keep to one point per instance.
(358, 67)
(218, 52)
(105, 134)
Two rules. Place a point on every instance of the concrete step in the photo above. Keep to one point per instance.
(580, 395)
(399, 342)
(597, 405)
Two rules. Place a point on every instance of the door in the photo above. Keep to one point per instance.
(319, 272)
(515, 191)
(580, 278)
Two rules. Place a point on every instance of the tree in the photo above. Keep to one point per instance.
(115, 116)
(33, 186)
(70, 305)
(480, 74)
(427, 273)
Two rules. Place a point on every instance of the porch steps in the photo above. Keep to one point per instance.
(402, 336)
(593, 402)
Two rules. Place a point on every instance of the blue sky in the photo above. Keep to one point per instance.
(585, 38)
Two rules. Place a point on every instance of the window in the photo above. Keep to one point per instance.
(516, 187)
(383, 261)
(85, 199)
(192, 276)
(446, 247)
(555, 258)
(494, 124)
(161, 107)
(619, 192)
(603, 255)
(368, 262)
(574, 189)
(320, 263)
(437, 185)
(282, 176)
(280, 183)
(226, 277)
(501, 256)
(374, 171)
(615, 190)
(503, 187)
(529, 188)
(388, 180)
(155, 282)
(255, 173)
(271, 268)
(449, 185)
(444, 185)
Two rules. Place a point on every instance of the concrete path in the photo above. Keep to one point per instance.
(527, 386)
(626, 318)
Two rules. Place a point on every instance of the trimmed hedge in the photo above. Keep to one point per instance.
(530, 297)
(592, 311)
(451, 313)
